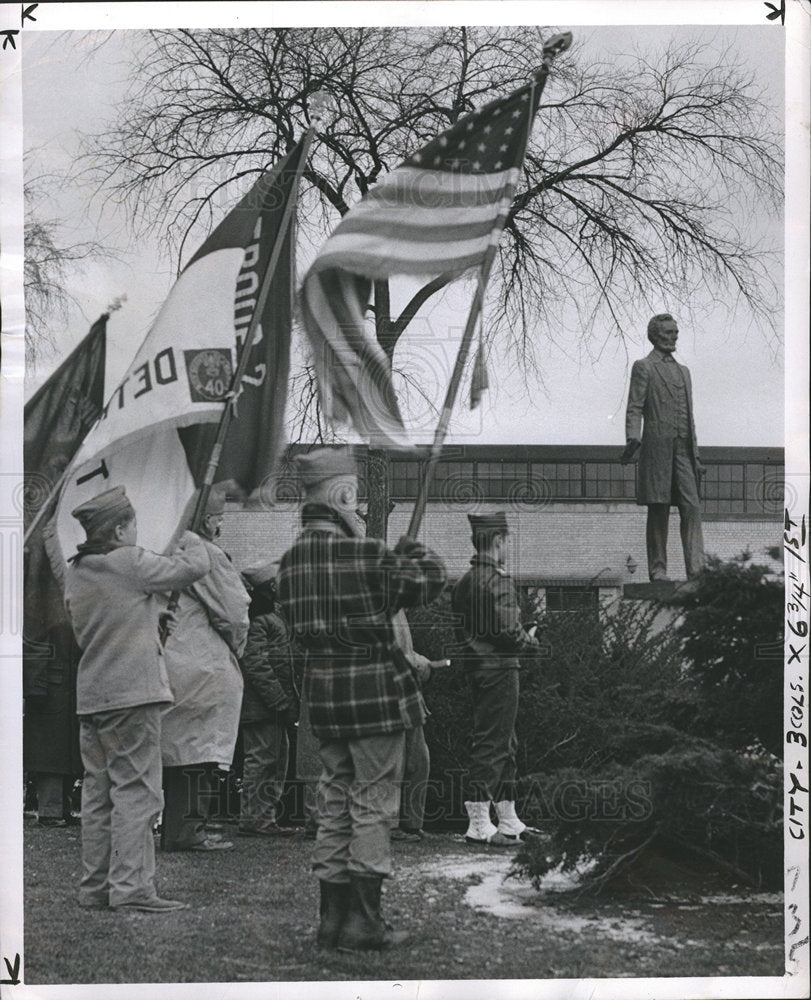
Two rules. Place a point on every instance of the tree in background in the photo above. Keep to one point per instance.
(638, 182)
(47, 260)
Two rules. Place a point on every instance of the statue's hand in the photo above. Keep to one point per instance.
(630, 450)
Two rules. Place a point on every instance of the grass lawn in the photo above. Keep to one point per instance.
(252, 918)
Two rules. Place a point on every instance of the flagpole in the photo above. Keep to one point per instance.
(556, 44)
(242, 365)
(232, 397)
(46, 505)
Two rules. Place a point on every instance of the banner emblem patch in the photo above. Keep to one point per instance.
(210, 374)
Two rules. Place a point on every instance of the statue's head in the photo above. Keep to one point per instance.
(663, 332)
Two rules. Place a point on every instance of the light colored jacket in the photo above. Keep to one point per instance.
(652, 400)
(201, 660)
(114, 612)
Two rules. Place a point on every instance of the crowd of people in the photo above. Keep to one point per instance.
(318, 642)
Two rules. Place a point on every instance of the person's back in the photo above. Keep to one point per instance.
(339, 595)
(121, 690)
(113, 609)
(338, 592)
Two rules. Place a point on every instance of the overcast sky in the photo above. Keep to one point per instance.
(70, 87)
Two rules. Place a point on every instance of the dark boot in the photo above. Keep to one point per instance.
(333, 909)
(364, 928)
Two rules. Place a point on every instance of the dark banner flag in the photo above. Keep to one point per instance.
(57, 418)
(60, 413)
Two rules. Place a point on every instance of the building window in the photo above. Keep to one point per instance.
(558, 480)
(737, 488)
(454, 482)
(577, 600)
(745, 488)
(405, 479)
(609, 481)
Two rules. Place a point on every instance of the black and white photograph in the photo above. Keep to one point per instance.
(404, 499)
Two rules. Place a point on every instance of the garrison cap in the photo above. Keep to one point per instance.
(491, 524)
(329, 476)
(104, 510)
(324, 463)
(261, 572)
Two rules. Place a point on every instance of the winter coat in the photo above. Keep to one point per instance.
(490, 630)
(268, 669)
(201, 660)
(111, 600)
(651, 417)
(338, 594)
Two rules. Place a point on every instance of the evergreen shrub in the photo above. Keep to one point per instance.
(638, 727)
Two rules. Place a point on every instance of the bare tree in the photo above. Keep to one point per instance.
(637, 185)
(47, 261)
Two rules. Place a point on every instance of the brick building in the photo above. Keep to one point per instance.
(577, 534)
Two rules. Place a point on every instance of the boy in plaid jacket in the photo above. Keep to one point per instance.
(339, 592)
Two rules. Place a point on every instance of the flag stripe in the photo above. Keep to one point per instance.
(438, 212)
(434, 189)
(370, 260)
(420, 227)
(353, 372)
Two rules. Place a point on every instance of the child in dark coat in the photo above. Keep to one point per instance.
(270, 704)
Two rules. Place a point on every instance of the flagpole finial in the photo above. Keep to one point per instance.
(556, 45)
(319, 105)
(117, 303)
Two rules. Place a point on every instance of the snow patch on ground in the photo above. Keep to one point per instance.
(513, 899)
(489, 890)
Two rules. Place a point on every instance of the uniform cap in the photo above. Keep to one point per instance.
(324, 463)
(329, 476)
(490, 523)
(104, 510)
(261, 572)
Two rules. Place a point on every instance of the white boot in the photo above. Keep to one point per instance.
(479, 829)
(508, 822)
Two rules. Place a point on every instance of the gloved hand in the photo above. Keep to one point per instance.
(409, 547)
(631, 449)
(167, 623)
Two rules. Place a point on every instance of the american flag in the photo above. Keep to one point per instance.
(437, 213)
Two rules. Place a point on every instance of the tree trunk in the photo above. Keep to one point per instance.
(377, 490)
(377, 461)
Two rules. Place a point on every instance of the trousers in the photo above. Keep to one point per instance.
(53, 795)
(416, 770)
(358, 801)
(121, 802)
(191, 794)
(266, 751)
(685, 496)
(492, 768)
